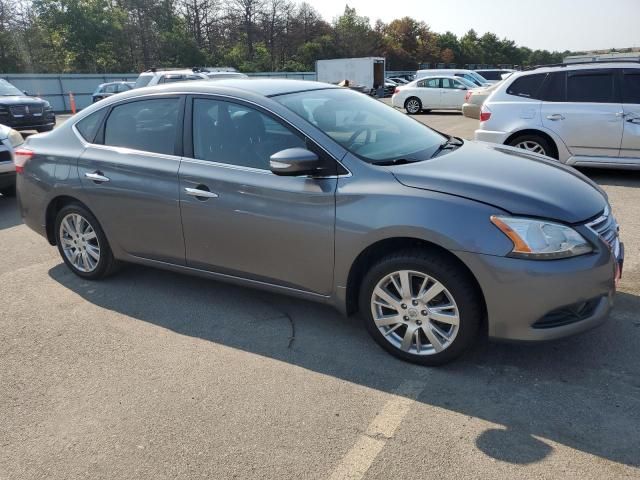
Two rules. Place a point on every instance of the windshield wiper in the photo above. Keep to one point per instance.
(450, 144)
(395, 161)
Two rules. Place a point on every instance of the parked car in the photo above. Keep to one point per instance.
(105, 90)
(473, 77)
(494, 75)
(432, 93)
(323, 193)
(581, 114)
(474, 99)
(9, 140)
(21, 111)
(158, 77)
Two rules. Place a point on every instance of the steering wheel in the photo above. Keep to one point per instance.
(357, 133)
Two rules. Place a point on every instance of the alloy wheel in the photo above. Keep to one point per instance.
(531, 146)
(415, 312)
(79, 242)
(413, 106)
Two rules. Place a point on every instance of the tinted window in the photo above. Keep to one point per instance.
(148, 125)
(491, 74)
(88, 126)
(554, 89)
(631, 87)
(366, 127)
(228, 133)
(123, 87)
(527, 86)
(111, 88)
(591, 86)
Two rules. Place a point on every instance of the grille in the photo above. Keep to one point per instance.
(23, 110)
(607, 228)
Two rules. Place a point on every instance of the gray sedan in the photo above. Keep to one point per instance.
(323, 193)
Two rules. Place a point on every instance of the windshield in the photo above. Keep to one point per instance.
(6, 89)
(143, 81)
(468, 83)
(366, 127)
(478, 77)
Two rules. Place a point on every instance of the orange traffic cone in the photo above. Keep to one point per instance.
(72, 102)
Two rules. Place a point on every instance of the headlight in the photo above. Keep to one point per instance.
(539, 239)
(15, 138)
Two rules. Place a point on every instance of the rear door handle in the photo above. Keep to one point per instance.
(555, 117)
(199, 193)
(96, 177)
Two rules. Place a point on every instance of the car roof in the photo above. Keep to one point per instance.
(581, 66)
(264, 87)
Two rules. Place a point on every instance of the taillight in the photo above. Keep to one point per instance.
(396, 90)
(485, 114)
(467, 96)
(21, 157)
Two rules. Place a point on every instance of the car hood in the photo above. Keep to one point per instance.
(510, 179)
(20, 100)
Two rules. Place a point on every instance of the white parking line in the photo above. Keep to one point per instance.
(361, 456)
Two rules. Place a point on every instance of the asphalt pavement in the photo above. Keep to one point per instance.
(155, 375)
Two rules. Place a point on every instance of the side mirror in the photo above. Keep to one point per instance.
(25, 92)
(294, 162)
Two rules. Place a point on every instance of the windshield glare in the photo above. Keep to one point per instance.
(366, 127)
(7, 89)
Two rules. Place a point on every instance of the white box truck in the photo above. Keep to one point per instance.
(366, 71)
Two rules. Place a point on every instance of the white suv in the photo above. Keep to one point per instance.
(580, 114)
(156, 77)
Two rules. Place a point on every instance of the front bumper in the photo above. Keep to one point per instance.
(29, 122)
(490, 136)
(529, 300)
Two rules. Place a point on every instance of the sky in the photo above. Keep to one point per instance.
(538, 24)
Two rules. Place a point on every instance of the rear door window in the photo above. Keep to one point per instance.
(631, 87)
(590, 86)
(430, 83)
(146, 125)
(527, 86)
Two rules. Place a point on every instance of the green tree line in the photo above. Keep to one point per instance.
(114, 36)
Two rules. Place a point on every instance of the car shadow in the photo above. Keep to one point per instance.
(9, 214)
(582, 392)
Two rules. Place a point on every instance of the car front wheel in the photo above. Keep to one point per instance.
(421, 307)
(413, 105)
(82, 243)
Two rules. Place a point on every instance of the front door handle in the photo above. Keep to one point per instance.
(555, 117)
(200, 193)
(96, 177)
(635, 120)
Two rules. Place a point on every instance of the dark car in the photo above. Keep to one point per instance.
(23, 112)
(105, 90)
(323, 193)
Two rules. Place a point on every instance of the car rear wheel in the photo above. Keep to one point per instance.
(533, 143)
(421, 307)
(82, 243)
(413, 105)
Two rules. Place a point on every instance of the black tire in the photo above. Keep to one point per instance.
(106, 264)
(454, 278)
(548, 147)
(412, 111)
(48, 128)
(9, 191)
